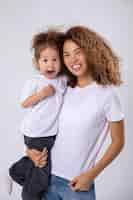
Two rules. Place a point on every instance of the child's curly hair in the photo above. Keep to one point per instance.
(102, 62)
(43, 40)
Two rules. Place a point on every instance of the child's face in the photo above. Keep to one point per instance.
(49, 62)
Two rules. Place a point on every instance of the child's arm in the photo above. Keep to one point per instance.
(38, 96)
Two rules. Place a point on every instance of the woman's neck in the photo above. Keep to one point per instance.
(84, 81)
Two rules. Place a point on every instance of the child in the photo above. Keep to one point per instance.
(43, 97)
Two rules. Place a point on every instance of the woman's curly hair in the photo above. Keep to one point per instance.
(103, 64)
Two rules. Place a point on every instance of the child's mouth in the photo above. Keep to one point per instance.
(50, 72)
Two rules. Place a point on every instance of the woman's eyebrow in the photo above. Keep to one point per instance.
(65, 52)
(76, 49)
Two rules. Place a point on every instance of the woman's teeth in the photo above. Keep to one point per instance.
(76, 67)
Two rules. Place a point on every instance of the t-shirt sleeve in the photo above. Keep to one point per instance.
(113, 108)
(29, 89)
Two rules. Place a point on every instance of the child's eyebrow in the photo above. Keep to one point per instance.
(43, 57)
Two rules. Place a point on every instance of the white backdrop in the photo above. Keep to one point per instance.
(19, 20)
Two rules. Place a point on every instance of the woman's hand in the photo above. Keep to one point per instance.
(82, 182)
(39, 158)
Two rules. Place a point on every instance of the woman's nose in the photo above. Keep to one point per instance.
(74, 59)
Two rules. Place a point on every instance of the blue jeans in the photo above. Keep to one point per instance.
(60, 190)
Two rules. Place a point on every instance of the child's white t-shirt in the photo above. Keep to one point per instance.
(83, 118)
(41, 120)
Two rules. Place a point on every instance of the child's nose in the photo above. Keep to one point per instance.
(50, 67)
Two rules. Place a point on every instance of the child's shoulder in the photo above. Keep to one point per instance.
(33, 81)
(35, 78)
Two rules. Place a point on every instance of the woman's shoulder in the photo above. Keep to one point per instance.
(107, 89)
(107, 92)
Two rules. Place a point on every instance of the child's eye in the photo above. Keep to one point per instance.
(54, 59)
(45, 60)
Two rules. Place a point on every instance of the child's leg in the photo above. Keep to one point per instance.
(27, 196)
(19, 170)
(38, 178)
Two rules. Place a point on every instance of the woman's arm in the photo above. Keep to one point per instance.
(38, 96)
(117, 142)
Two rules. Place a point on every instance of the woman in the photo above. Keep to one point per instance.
(90, 104)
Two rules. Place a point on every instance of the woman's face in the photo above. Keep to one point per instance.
(74, 59)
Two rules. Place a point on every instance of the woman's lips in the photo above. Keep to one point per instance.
(76, 67)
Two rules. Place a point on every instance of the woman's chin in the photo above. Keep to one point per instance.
(77, 73)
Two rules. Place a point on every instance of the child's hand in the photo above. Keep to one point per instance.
(50, 90)
(47, 91)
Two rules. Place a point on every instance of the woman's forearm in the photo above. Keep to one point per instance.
(111, 153)
(117, 143)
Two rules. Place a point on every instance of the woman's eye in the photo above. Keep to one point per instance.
(77, 52)
(66, 55)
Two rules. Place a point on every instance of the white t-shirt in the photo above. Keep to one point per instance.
(41, 119)
(83, 118)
